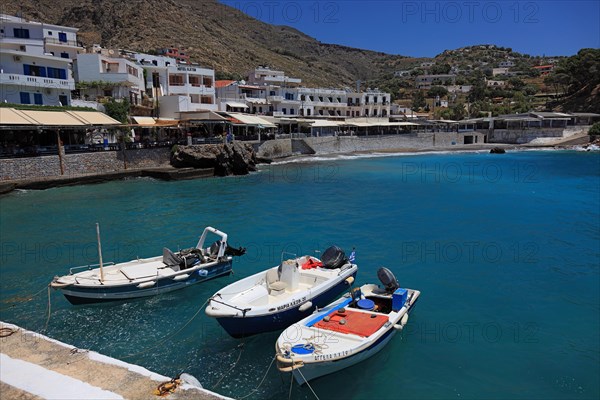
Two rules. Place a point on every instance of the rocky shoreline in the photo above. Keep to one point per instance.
(205, 161)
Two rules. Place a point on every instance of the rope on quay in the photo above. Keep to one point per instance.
(6, 332)
(167, 337)
(261, 382)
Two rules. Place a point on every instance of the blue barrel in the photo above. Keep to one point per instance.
(366, 304)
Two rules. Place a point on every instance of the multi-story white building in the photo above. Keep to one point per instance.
(35, 62)
(115, 76)
(372, 103)
(177, 87)
(269, 92)
(264, 76)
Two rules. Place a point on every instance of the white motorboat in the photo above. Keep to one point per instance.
(148, 276)
(273, 299)
(346, 332)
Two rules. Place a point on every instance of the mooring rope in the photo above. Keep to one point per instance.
(307, 384)
(49, 311)
(261, 382)
(164, 339)
(21, 302)
(241, 346)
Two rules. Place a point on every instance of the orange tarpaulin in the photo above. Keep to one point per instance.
(357, 323)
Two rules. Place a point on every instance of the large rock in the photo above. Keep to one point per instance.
(227, 159)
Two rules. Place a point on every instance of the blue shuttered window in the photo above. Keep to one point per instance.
(37, 98)
(25, 98)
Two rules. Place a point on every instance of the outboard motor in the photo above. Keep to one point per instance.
(388, 279)
(213, 250)
(333, 257)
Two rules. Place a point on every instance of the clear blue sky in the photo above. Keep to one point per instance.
(426, 28)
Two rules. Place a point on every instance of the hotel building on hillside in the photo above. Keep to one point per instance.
(118, 77)
(36, 62)
(177, 88)
(271, 92)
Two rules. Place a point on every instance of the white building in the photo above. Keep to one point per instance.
(264, 76)
(176, 87)
(118, 77)
(499, 71)
(506, 64)
(492, 83)
(36, 62)
(427, 81)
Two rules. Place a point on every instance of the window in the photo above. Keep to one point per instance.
(63, 100)
(37, 99)
(34, 70)
(21, 34)
(62, 37)
(25, 98)
(284, 111)
(292, 111)
(176, 80)
(57, 73)
(64, 55)
(49, 33)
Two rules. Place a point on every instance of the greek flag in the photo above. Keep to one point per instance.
(352, 256)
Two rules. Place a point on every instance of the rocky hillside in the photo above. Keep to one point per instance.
(215, 35)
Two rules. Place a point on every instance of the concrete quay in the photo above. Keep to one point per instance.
(33, 366)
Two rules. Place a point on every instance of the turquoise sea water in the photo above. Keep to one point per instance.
(504, 248)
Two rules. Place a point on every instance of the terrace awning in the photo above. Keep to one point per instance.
(235, 104)
(251, 120)
(11, 118)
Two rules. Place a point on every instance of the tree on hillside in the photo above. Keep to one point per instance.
(439, 69)
(578, 71)
(418, 100)
(436, 91)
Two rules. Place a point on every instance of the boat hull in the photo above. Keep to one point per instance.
(76, 294)
(315, 370)
(239, 327)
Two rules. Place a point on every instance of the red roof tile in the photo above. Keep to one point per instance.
(220, 84)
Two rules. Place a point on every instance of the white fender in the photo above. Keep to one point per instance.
(305, 306)
(403, 322)
(146, 284)
(350, 280)
(181, 277)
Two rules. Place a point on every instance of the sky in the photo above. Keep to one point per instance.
(427, 28)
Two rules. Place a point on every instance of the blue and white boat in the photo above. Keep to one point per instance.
(148, 276)
(273, 299)
(346, 332)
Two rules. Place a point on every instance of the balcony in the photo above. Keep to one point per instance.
(56, 42)
(36, 81)
(275, 98)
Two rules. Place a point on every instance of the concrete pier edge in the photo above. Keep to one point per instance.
(85, 367)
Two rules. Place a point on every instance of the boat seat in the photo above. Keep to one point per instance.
(276, 287)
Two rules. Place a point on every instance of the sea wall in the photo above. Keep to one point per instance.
(276, 148)
(82, 163)
(520, 136)
(415, 141)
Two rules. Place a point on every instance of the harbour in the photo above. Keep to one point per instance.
(491, 289)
